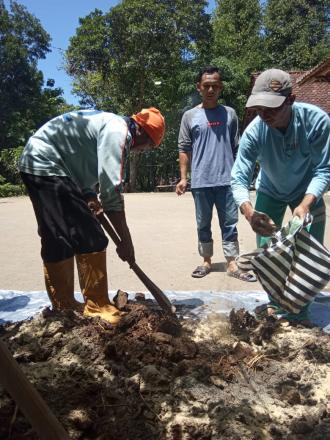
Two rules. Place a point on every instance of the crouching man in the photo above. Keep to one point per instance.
(60, 166)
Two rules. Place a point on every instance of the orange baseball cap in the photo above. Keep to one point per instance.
(153, 122)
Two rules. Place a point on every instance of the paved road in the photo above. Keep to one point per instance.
(164, 233)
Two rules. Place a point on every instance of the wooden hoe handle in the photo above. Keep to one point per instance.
(158, 294)
(28, 399)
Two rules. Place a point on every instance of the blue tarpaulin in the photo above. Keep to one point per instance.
(17, 305)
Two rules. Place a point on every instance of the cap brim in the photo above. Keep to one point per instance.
(265, 100)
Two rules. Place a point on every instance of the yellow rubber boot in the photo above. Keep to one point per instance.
(60, 285)
(93, 280)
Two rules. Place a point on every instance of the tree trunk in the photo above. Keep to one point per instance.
(134, 160)
(134, 157)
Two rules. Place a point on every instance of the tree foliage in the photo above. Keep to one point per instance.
(148, 52)
(296, 33)
(10, 181)
(24, 103)
(138, 54)
(236, 27)
(119, 59)
(237, 47)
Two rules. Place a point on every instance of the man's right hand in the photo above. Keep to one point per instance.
(125, 248)
(125, 251)
(261, 223)
(181, 187)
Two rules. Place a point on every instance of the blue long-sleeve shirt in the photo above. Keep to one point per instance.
(291, 164)
(89, 146)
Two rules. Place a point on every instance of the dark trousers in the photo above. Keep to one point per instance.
(275, 209)
(65, 223)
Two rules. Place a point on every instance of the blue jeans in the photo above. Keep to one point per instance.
(222, 198)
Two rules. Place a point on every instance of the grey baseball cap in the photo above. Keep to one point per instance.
(270, 89)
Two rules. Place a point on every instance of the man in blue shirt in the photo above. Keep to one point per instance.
(61, 166)
(208, 140)
(291, 142)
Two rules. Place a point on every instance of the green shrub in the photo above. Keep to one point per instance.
(9, 165)
(9, 190)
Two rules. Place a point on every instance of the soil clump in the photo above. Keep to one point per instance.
(148, 378)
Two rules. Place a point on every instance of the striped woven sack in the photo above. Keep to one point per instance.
(293, 269)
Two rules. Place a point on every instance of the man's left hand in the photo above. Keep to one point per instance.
(304, 207)
(125, 251)
(301, 211)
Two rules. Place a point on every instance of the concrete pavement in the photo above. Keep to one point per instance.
(164, 234)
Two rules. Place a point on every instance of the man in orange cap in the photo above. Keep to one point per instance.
(61, 165)
(151, 121)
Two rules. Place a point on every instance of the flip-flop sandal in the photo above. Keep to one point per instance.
(200, 271)
(243, 276)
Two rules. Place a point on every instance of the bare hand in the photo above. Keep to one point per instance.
(262, 224)
(181, 187)
(125, 251)
(301, 211)
(95, 206)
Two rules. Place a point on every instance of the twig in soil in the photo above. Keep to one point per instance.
(253, 388)
(12, 421)
(112, 406)
(297, 350)
(101, 327)
(102, 399)
(256, 359)
(315, 364)
(149, 407)
(315, 368)
(247, 379)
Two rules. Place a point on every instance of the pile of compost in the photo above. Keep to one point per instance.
(150, 378)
